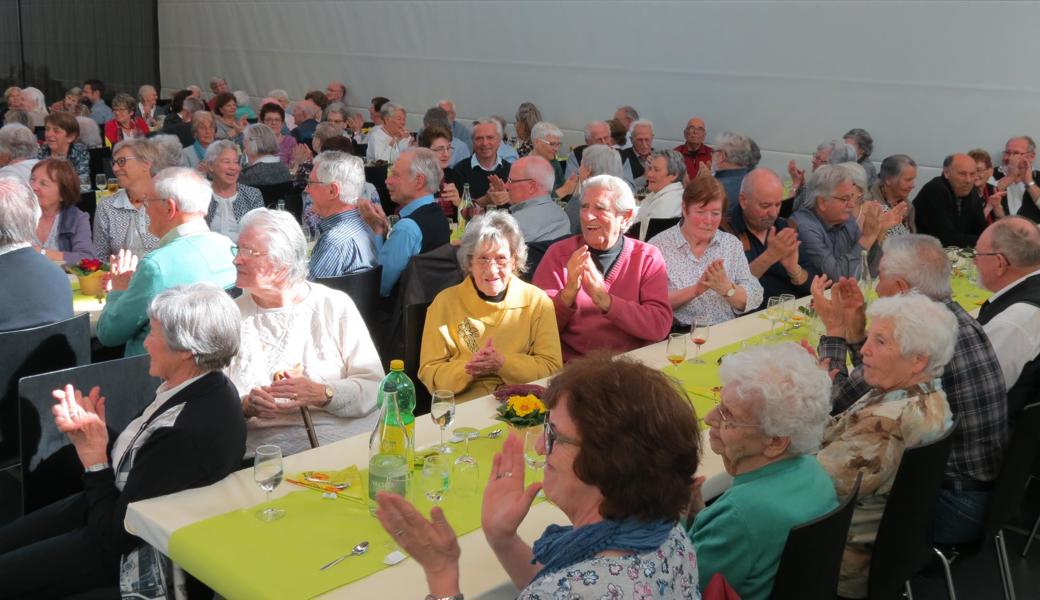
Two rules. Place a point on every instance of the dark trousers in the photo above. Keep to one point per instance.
(49, 554)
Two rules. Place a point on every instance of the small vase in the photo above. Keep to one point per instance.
(93, 284)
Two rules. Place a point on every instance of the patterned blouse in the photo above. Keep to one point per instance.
(118, 224)
(78, 155)
(685, 269)
(870, 436)
(668, 572)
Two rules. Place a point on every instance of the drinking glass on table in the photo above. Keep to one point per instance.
(533, 458)
(435, 477)
(787, 309)
(698, 335)
(676, 348)
(466, 472)
(267, 471)
(442, 411)
(100, 182)
(773, 311)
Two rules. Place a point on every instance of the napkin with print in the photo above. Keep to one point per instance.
(331, 482)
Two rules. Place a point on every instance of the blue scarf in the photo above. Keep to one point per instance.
(560, 547)
(199, 150)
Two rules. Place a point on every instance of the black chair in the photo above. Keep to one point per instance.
(363, 289)
(274, 192)
(100, 162)
(535, 252)
(811, 562)
(50, 469)
(1007, 495)
(654, 227)
(903, 546)
(414, 322)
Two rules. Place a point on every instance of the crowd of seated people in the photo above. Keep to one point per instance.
(190, 220)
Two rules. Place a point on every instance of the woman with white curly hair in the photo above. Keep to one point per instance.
(775, 404)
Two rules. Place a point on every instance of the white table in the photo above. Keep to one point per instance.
(155, 520)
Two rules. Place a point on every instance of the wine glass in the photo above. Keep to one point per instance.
(699, 334)
(100, 182)
(787, 309)
(435, 477)
(533, 458)
(442, 411)
(773, 313)
(466, 472)
(267, 471)
(676, 348)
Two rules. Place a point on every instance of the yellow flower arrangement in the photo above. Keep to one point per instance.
(522, 411)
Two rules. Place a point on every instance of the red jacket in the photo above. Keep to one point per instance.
(114, 133)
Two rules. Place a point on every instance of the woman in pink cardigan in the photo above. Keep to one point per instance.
(610, 291)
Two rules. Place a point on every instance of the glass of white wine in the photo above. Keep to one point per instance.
(442, 411)
(699, 335)
(773, 313)
(101, 182)
(267, 471)
(676, 348)
(435, 477)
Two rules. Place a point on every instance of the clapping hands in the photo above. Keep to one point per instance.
(485, 361)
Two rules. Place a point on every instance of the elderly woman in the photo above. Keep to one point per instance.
(18, 117)
(13, 98)
(387, 141)
(438, 139)
(863, 143)
(63, 231)
(308, 330)
(231, 199)
(610, 291)
(120, 221)
(597, 159)
(18, 150)
(125, 124)
(244, 110)
(61, 130)
(204, 128)
(89, 132)
(33, 103)
(895, 181)
(664, 178)
(708, 273)
(994, 208)
(624, 540)
(527, 116)
(909, 341)
(228, 125)
(148, 107)
(545, 142)
(829, 152)
(492, 329)
(774, 406)
(263, 167)
(71, 103)
(273, 115)
(191, 435)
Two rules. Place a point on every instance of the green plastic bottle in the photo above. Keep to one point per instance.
(405, 398)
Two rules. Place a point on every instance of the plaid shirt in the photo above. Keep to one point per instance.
(974, 386)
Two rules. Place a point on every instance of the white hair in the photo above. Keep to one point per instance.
(144, 88)
(219, 147)
(620, 192)
(279, 95)
(18, 141)
(737, 146)
(544, 129)
(167, 152)
(588, 129)
(785, 388)
(496, 226)
(389, 109)
(343, 169)
(424, 162)
(601, 160)
(921, 327)
(199, 318)
(89, 132)
(18, 212)
(489, 121)
(241, 98)
(259, 139)
(857, 174)
(286, 246)
(36, 97)
(641, 123)
(538, 169)
(919, 260)
(188, 190)
(824, 181)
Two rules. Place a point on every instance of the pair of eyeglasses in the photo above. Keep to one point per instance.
(485, 261)
(727, 419)
(122, 160)
(1000, 254)
(847, 199)
(552, 437)
(311, 182)
(518, 180)
(249, 251)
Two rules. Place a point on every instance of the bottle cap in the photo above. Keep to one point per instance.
(397, 365)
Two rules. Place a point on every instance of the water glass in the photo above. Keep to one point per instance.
(84, 183)
(435, 477)
(534, 458)
(787, 308)
(100, 182)
(442, 411)
(773, 313)
(676, 348)
(267, 472)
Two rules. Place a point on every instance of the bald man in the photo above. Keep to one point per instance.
(949, 207)
(695, 152)
(336, 91)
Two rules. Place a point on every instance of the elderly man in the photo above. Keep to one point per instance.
(972, 379)
(530, 182)
(439, 117)
(93, 89)
(1008, 261)
(694, 151)
(1017, 177)
(770, 244)
(18, 151)
(626, 115)
(336, 91)
(483, 165)
(731, 161)
(830, 152)
(188, 252)
(306, 114)
(412, 181)
(387, 141)
(665, 173)
(458, 130)
(636, 158)
(949, 207)
(179, 123)
(596, 132)
(42, 295)
(832, 241)
(345, 245)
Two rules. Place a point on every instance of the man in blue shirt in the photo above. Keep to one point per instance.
(458, 131)
(731, 161)
(99, 111)
(346, 245)
(412, 181)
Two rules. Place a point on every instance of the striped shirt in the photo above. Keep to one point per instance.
(345, 246)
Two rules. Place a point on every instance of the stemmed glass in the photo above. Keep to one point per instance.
(773, 309)
(676, 348)
(435, 477)
(787, 309)
(442, 411)
(699, 334)
(467, 472)
(100, 182)
(533, 458)
(267, 472)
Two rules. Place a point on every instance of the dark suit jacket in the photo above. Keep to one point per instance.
(955, 221)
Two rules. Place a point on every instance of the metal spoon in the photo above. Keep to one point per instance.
(491, 435)
(357, 551)
(338, 486)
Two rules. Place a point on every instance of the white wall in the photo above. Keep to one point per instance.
(925, 78)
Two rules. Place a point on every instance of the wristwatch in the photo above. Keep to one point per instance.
(329, 393)
(732, 291)
(94, 468)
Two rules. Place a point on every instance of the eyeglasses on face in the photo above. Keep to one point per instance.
(247, 251)
(122, 160)
(511, 180)
(728, 422)
(485, 261)
(552, 437)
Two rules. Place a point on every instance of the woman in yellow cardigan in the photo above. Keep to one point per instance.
(493, 328)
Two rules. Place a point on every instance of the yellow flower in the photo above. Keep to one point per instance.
(525, 405)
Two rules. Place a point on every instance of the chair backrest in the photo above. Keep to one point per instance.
(656, 226)
(274, 192)
(50, 468)
(904, 540)
(1015, 470)
(535, 252)
(811, 561)
(363, 289)
(31, 351)
(414, 322)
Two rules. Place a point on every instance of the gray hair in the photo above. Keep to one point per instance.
(1030, 144)
(188, 190)
(838, 151)
(785, 388)
(1018, 239)
(528, 114)
(538, 169)
(737, 147)
(36, 97)
(343, 169)
(286, 246)
(545, 129)
(193, 105)
(921, 327)
(18, 212)
(436, 115)
(425, 163)
(673, 161)
(17, 117)
(199, 318)
(74, 91)
(144, 88)
(89, 132)
(167, 152)
(200, 117)
(280, 95)
(18, 141)
(259, 139)
(389, 109)
(863, 141)
(336, 107)
(919, 260)
(493, 227)
(241, 98)
(489, 121)
(629, 111)
(857, 174)
(310, 108)
(215, 80)
(325, 131)
(620, 192)
(601, 160)
(824, 181)
(219, 147)
(588, 129)
(892, 167)
(142, 149)
(641, 123)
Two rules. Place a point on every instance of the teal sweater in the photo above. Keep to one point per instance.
(742, 534)
(187, 255)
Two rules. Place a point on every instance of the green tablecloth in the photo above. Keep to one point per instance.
(240, 556)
